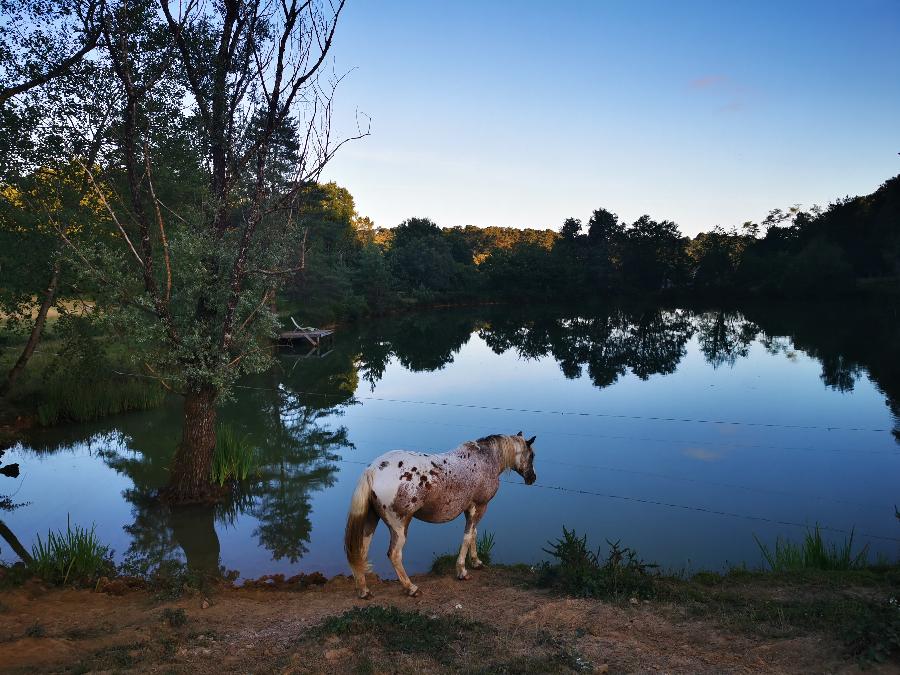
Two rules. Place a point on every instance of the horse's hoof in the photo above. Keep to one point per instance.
(477, 565)
(367, 595)
(413, 592)
(463, 577)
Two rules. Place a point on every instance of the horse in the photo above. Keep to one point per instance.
(400, 485)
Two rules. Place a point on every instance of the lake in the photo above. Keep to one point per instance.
(682, 433)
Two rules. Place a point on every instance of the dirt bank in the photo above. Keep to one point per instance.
(493, 623)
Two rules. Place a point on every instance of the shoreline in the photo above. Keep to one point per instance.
(497, 622)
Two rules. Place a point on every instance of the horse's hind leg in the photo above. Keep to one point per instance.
(473, 541)
(360, 574)
(395, 554)
(468, 543)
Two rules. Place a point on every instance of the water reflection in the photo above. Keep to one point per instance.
(292, 414)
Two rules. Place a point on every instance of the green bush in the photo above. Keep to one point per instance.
(585, 573)
(74, 556)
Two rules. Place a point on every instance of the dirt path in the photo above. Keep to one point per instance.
(489, 624)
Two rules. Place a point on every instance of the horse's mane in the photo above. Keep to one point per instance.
(506, 445)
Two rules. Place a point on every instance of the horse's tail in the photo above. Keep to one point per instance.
(356, 521)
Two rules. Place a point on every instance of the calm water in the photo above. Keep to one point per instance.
(627, 406)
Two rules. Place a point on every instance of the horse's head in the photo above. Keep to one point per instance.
(524, 465)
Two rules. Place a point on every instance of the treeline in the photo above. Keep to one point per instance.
(353, 268)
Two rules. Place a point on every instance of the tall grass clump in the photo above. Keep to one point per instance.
(446, 563)
(813, 554)
(74, 556)
(72, 399)
(577, 570)
(234, 459)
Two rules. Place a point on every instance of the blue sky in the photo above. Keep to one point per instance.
(525, 113)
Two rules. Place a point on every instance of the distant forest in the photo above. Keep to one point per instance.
(353, 268)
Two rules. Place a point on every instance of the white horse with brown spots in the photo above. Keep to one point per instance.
(401, 485)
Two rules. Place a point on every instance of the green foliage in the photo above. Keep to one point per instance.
(234, 458)
(585, 573)
(397, 630)
(446, 563)
(875, 634)
(74, 556)
(81, 381)
(484, 545)
(813, 553)
(176, 617)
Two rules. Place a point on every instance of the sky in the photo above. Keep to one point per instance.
(525, 113)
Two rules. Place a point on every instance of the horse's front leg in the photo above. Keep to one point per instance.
(473, 542)
(468, 541)
(395, 554)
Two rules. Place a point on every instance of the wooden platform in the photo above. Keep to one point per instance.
(311, 338)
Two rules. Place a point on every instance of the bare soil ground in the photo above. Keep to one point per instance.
(494, 623)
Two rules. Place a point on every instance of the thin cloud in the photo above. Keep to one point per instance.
(708, 81)
(702, 455)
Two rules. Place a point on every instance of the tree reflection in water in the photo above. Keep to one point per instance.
(289, 414)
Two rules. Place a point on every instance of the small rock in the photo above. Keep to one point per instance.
(204, 604)
(602, 669)
(634, 601)
(458, 606)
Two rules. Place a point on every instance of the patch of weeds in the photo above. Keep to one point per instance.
(398, 630)
(813, 553)
(169, 647)
(176, 617)
(14, 575)
(446, 563)
(88, 633)
(74, 556)
(582, 572)
(113, 658)
(875, 636)
(170, 579)
(36, 630)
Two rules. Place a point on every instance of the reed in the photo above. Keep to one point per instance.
(234, 459)
(813, 553)
(69, 399)
(75, 556)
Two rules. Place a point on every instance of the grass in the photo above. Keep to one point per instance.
(72, 399)
(823, 584)
(75, 556)
(176, 617)
(813, 553)
(446, 563)
(235, 459)
(72, 377)
(398, 630)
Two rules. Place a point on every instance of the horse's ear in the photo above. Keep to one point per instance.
(530, 440)
(519, 434)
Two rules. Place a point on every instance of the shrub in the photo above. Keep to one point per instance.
(582, 572)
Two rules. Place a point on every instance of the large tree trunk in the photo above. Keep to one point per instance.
(190, 479)
(36, 330)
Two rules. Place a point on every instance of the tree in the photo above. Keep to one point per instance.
(654, 254)
(212, 94)
(41, 40)
(606, 237)
(420, 257)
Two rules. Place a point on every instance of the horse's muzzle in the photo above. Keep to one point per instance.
(530, 478)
